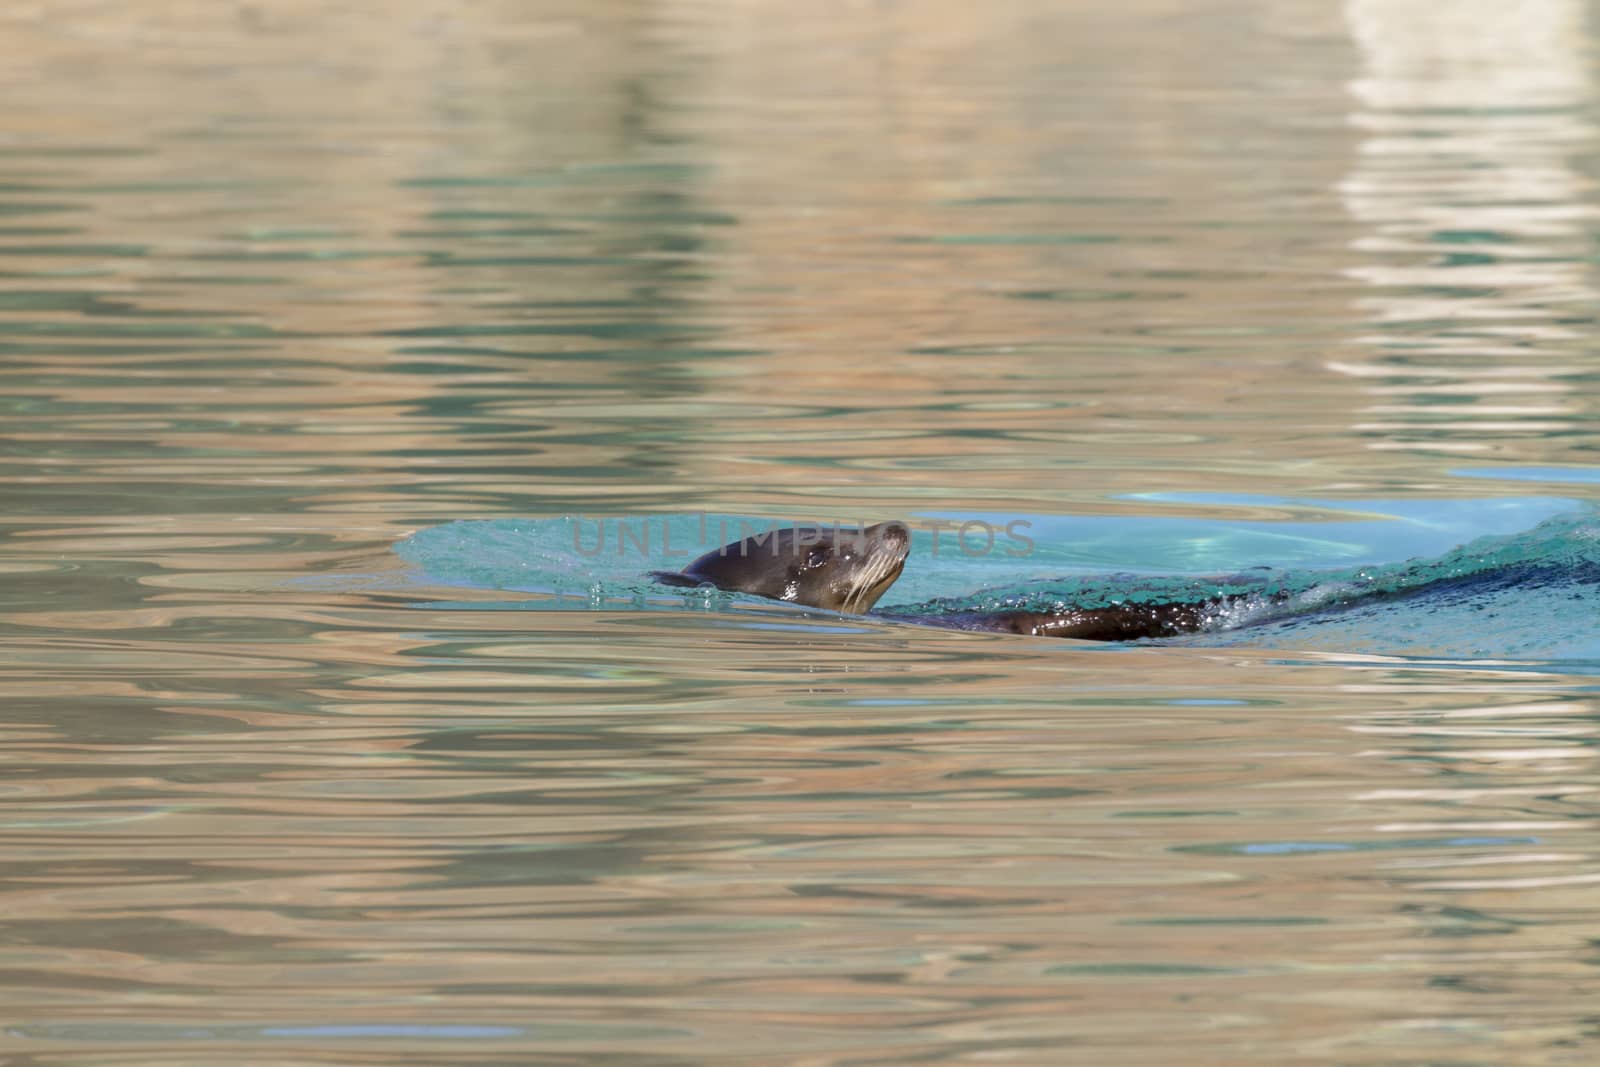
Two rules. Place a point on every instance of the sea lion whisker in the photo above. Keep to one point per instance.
(879, 573)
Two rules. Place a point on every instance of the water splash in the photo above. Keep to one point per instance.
(1532, 595)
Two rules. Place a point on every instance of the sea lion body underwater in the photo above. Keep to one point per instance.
(847, 570)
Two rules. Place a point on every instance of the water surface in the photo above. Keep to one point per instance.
(288, 288)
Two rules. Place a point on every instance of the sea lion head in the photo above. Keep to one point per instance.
(830, 567)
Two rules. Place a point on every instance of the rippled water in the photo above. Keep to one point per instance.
(287, 287)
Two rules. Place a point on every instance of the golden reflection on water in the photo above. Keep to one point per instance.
(912, 843)
(1471, 184)
(281, 283)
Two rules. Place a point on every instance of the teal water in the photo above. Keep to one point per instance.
(325, 743)
(1532, 595)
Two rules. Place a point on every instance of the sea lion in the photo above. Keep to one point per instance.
(830, 567)
(847, 570)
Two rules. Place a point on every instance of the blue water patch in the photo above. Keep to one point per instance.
(1296, 848)
(1576, 475)
(1449, 579)
(608, 556)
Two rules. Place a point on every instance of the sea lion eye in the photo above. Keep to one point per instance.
(817, 556)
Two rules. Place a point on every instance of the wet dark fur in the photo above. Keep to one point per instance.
(1124, 622)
